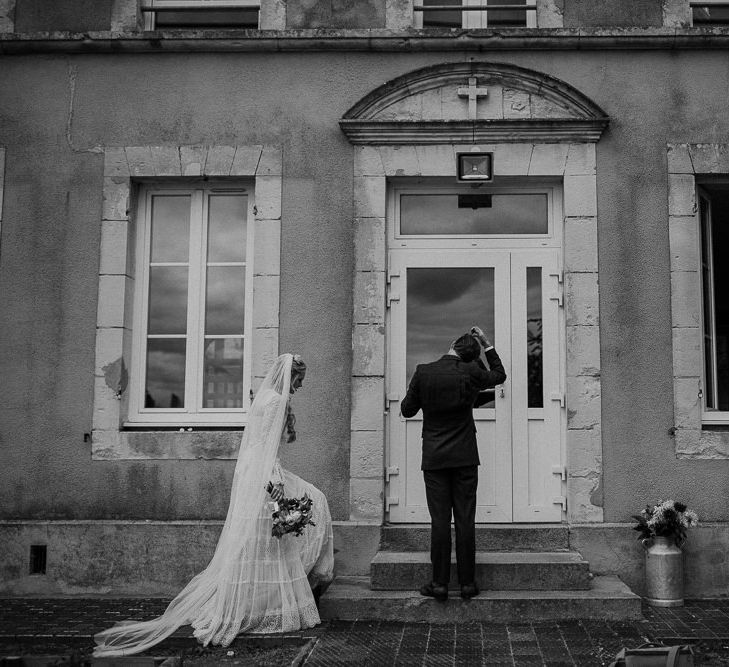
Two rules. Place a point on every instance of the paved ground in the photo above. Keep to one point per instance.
(64, 627)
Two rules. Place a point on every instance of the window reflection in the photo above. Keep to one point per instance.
(227, 227)
(170, 228)
(167, 300)
(225, 300)
(223, 373)
(442, 304)
(165, 381)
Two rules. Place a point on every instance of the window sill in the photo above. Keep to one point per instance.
(158, 444)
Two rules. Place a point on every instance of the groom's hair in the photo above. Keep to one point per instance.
(467, 347)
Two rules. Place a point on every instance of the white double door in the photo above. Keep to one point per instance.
(515, 296)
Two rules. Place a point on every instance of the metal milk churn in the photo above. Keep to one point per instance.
(663, 572)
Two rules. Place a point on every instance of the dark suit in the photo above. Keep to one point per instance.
(447, 390)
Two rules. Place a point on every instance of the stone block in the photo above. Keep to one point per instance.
(489, 107)
(369, 196)
(245, 161)
(681, 194)
(369, 244)
(272, 15)
(583, 402)
(709, 158)
(580, 245)
(271, 162)
(676, 14)
(713, 445)
(398, 14)
(687, 352)
(368, 400)
(366, 498)
(267, 259)
(679, 159)
(219, 160)
(580, 160)
(685, 298)
(268, 197)
(140, 161)
(114, 247)
(436, 160)
(109, 348)
(266, 301)
(582, 493)
(2, 179)
(548, 160)
(166, 160)
(581, 297)
(367, 454)
(113, 291)
(550, 14)
(407, 108)
(192, 160)
(399, 160)
(584, 451)
(516, 103)
(115, 200)
(580, 196)
(115, 162)
(106, 415)
(367, 161)
(686, 402)
(125, 16)
(369, 297)
(432, 104)
(583, 350)
(265, 351)
(7, 16)
(683, 234)
(543, 107)
(105, 445)
(368, 349)
(512, 159)
(357, 544)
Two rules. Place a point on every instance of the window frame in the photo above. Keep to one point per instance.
(150, 8)
(709, 416)
(475, 20)
(192, 415)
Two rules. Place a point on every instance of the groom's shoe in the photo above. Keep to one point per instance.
(433, 590)
(469, 591)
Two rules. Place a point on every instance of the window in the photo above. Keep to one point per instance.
(713, 214)
(193, 303)
(474, 14)
(221, 14)
(709, 12)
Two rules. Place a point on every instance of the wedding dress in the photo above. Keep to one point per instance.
(254, 582)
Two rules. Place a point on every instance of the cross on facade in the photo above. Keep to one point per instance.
(473, 92)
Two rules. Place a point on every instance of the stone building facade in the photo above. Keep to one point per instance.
(333, 131)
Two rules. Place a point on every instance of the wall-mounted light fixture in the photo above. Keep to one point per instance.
(474, 167)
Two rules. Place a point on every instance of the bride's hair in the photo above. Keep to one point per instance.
(297, 365)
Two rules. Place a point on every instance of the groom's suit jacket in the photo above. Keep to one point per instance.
(447, 390)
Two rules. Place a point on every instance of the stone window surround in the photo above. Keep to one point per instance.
(122, 165)
(685, 163)
(575, 164)
(2, 189)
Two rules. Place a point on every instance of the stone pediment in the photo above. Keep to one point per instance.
(474, 102)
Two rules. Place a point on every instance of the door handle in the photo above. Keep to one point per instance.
(500, 389)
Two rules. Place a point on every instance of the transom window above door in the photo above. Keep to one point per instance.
(193, 302)
(474, 14)
(468, 213)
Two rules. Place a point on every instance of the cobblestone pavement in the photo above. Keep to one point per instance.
(65, 626)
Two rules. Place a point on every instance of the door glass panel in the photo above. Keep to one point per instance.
(534, 342)
(223, 373)
(170, 228)
(442, 304)
(165, 381)
(473, 213)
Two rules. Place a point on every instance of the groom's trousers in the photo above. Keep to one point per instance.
(452, 491)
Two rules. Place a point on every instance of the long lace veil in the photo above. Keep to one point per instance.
(228, 593)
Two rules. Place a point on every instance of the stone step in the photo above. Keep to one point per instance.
(495, 570)
(489, 537)
(351, 598)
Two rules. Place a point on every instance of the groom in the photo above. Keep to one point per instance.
(447, 390)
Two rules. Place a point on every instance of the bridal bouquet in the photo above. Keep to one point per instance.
(291, 515)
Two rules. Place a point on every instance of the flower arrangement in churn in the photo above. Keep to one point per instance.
(291, 515)
(666, 519)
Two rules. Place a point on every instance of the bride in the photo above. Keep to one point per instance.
(254, 582)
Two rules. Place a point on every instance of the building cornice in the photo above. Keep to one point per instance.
(267, 41)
